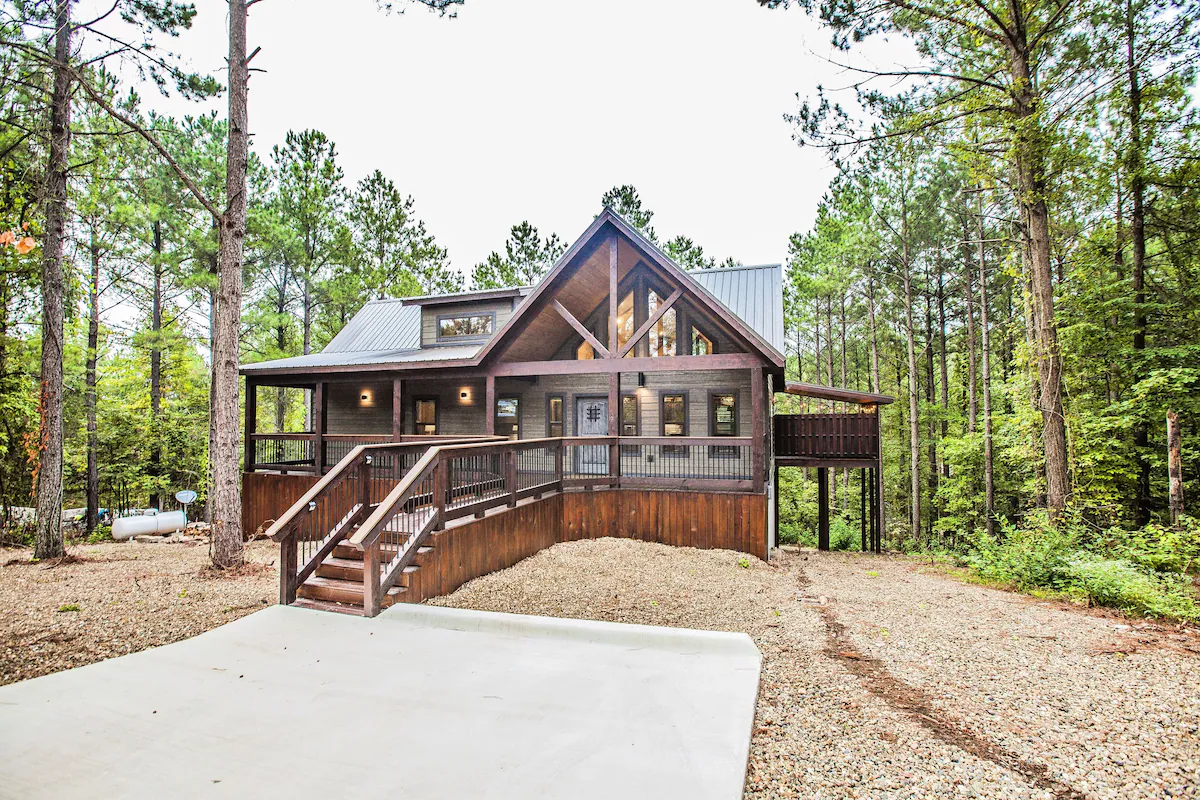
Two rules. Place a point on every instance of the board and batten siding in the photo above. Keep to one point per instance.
(503, 309)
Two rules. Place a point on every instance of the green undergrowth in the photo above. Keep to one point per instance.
(1146, 572)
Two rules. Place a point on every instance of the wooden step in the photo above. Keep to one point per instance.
(321, 605)
(403, 579)
(332, 590)
(346, 569)
(350, 552)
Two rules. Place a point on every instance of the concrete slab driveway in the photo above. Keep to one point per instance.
(420, 702)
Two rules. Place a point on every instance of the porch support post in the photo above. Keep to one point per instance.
(612, 294)
(822, 508)
(775, 484)
(397, 409)
(758, 428)
(881, 526)
(318, 417)
(251, 417)
(489, 406)
(614, 430)
(862, 513)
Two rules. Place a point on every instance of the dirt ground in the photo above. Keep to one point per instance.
(882, 677)
(117, 598)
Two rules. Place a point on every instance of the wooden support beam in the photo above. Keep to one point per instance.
(397, 409)
(612, 294)
(881, 527)
(862, 513)
(775, 484)
(489, 410)
(822, 508)
(318, 417)
(758, 427)
(614, 421)
(251, 419)
(664, 364)
(649, 323)
(601, 350)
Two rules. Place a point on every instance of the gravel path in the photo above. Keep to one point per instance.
(120, 598)
(885, 681)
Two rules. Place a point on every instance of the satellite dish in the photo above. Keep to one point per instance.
(186, 497)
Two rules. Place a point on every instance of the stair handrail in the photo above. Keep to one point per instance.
(286, 524)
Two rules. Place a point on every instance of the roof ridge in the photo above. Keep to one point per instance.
(703, 270)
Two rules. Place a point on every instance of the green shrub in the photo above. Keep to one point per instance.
(843, 535)
(1140, 572)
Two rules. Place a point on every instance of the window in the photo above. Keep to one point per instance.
(662, 335)
(508, 417)
(701, 344)
(554, 416)
(630, 423)
(425, 414)
(722, 421)
(466, 326)
(585, 352)
(625, 321)
(673, 420)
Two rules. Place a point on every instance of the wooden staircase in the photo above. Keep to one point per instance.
(337, 582)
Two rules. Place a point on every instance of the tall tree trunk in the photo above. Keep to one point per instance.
(156, 316)
(913, 419)
(875, 385)
(224, 493)
(944, 371)
(969, 305)
(930, 395)
(49, 541)
(89, 393)
(1137, 232)
(988, 477)
(845, 472)
(1029, 156)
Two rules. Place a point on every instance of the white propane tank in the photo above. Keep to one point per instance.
(148, 524)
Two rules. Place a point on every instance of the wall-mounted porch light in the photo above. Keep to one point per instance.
(366, 398)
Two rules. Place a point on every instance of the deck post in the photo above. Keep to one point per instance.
(822, 508)
(318, 418)
(397, 410)
(287, 569)
(614, 429)
(558, 464)
(371, 599)
(251, 420)
(489, 411)
(758, 428)
(775, 483)
(862, 513)
(881, 526)
(510, 469)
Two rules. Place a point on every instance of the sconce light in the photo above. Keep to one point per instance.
(641, 379)
(463, 395)
(366, 397)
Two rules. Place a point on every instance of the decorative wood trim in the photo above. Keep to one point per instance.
(579, 327)
(613, 300)
(489, 406)
(397, 409)
(663, 308)
(640, 364)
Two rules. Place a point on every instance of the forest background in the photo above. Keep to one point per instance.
(1011, 248)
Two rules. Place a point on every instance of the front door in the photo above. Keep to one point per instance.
(591, 419)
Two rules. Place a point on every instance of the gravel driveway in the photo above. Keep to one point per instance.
(884, 680)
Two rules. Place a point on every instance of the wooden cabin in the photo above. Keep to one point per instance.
(454, 435)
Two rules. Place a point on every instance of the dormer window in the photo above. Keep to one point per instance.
(453, 327)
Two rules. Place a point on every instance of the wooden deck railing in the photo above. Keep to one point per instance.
(329, 511)
(296, 452)
(849, 436)
(386, 499)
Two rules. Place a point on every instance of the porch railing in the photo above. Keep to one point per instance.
(296, 452)
(851, 436)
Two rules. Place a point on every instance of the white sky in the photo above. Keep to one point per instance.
(531, 109)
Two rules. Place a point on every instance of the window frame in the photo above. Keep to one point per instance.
(630, 449)
(437, 413)
(723, 451)
(694, 328)
(562, 423)
(673, 451)
(440, 339)
(496, 415)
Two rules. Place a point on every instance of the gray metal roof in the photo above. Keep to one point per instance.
(360, 358)
(755, 294)
(380, 325)
(388, 331)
